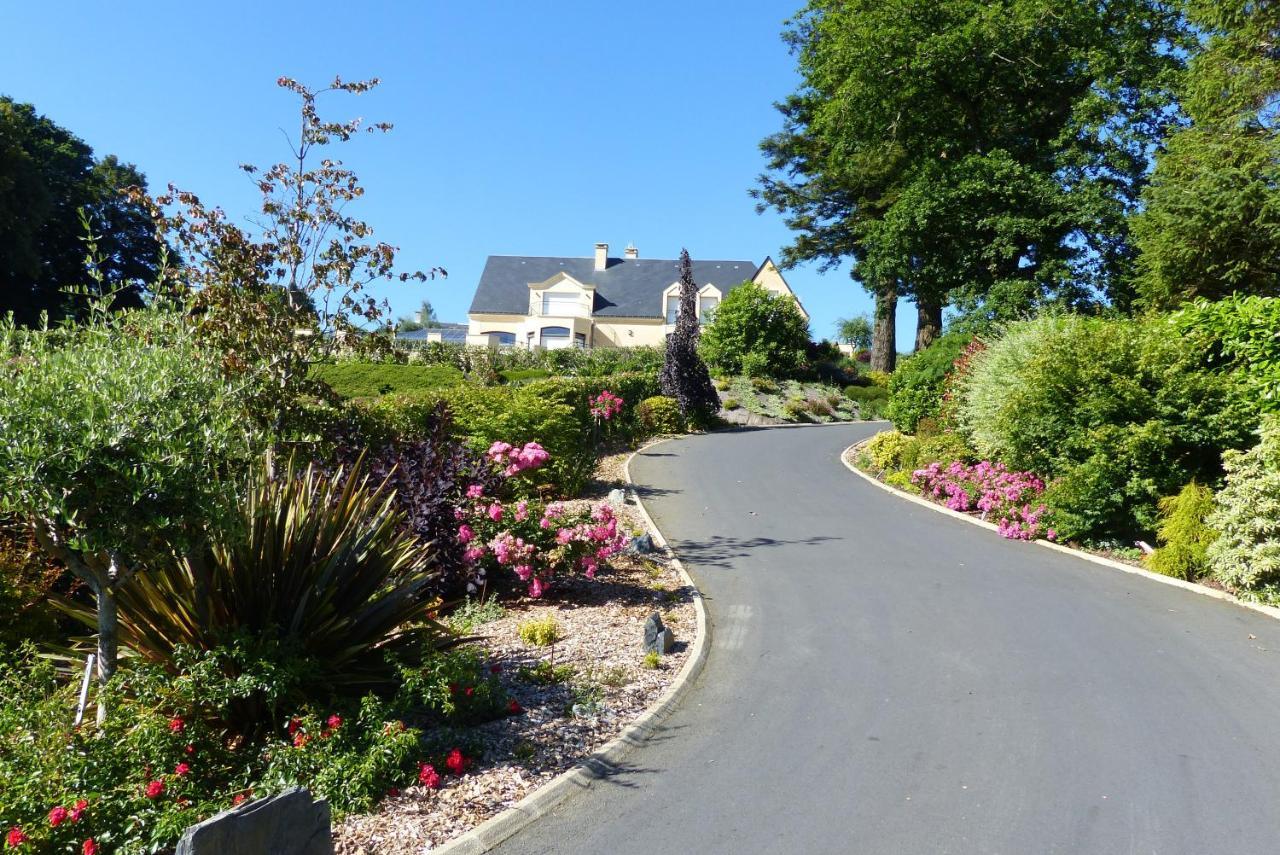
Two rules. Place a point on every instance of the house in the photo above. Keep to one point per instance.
(598, 301)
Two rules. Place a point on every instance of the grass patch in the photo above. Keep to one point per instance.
(372, 380)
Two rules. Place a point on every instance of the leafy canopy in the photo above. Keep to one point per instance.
(982, 153)
(48, 176)
(1211, 225)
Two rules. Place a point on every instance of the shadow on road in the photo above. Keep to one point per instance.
(721, 551)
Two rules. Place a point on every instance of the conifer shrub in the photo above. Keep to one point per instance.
(684, 375)
(1183, 534)
(1246, 555)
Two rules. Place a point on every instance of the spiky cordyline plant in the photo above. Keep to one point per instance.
(319, 566)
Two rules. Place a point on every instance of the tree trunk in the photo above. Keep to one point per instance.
(884, 344)
(108, 623)
(928, 322)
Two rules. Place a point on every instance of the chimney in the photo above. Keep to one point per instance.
(602, 256)
(631, 252)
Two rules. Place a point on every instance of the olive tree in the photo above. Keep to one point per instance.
(123, 442)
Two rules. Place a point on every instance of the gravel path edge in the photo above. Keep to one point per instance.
(604, 762)
(1203, 590)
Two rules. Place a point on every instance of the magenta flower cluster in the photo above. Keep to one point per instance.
(517, 459)
(1007, 498)
(535, 542)
(606, 405)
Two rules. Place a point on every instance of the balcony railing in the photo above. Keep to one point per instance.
(578, 308)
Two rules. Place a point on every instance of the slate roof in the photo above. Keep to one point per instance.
(626, 288)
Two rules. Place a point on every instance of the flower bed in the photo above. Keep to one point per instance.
(1007, 498)
(596, 684)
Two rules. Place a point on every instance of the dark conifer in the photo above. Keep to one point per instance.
(684, 375)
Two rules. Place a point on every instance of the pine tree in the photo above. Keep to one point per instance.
(684, 375)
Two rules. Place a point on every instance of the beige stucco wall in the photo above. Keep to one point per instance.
(635, 333)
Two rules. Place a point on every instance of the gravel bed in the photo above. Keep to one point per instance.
(602, 630)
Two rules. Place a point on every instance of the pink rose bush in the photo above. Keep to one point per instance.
(534, 542)
(1007, 498)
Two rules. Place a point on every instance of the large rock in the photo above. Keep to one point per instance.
(657, 638)
(642, 545)
(291, 823)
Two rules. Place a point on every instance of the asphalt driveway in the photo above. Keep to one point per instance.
(885, 679)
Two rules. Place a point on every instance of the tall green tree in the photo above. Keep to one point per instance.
(48, 176)
(1211, 225)
(978, 153)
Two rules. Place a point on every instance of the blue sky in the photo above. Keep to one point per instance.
(518, 130)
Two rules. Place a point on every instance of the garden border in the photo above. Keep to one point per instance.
(602, 762)
(1203, 590)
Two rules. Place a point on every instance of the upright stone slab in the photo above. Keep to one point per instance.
(657, 638)
(617, 498)
(291, 823)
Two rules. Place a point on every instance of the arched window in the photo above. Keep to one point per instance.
(554, 338)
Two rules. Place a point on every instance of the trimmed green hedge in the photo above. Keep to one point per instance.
(555, 413)
(370, 380)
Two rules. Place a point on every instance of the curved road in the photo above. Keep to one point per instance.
(885, 679)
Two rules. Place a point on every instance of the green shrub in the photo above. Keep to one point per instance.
(764, 385)
(916, 386)
(659, 415)
(757, 333)
(370, 380)
(722, 384)
(885, 450)
(1246, 555)
(872, 410)
(902, 480)
(795, 409)
(1114, 413)
(731, 404)
(944, 448)
(474, 613)
(862, 394)
(541, 632)
(1239, 333)
(1183, 534)
(652, 660)
(878, 378)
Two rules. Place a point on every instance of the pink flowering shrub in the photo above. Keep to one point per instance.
(1009, 499)
(517, 459)
(536, 543)
(605, 406)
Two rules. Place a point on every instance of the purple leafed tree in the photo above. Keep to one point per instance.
(684, 375)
